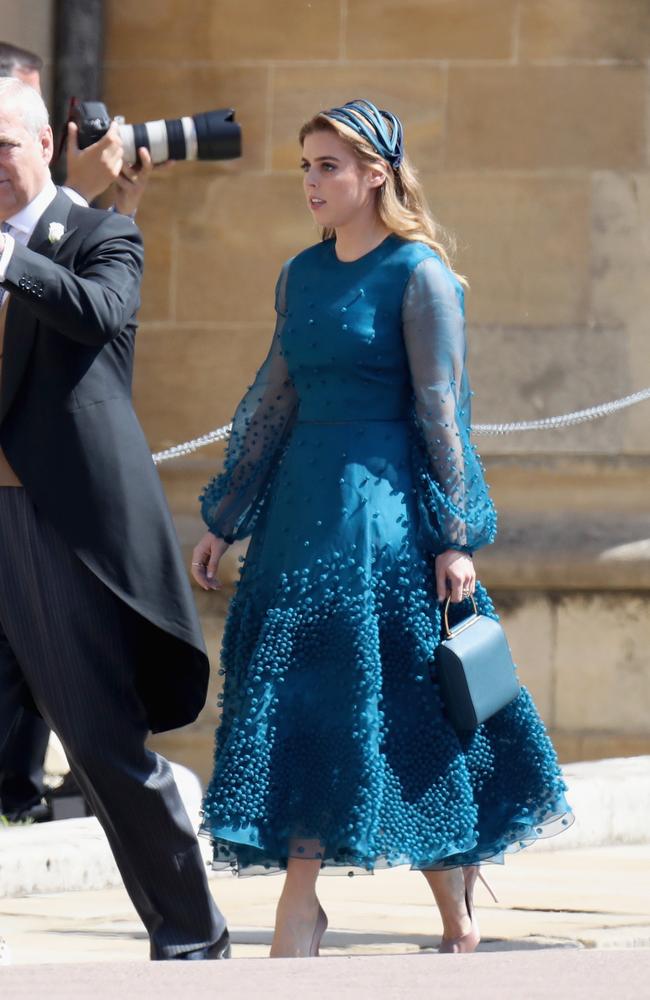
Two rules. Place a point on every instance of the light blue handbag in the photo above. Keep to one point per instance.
(474, 669)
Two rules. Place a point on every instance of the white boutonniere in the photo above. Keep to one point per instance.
(55, 232)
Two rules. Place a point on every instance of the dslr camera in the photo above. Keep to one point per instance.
(211, 135)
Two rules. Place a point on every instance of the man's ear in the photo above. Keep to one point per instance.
(46, 140)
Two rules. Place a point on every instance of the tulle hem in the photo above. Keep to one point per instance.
(240, 853)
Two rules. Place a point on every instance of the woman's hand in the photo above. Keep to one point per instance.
(455, 571)
(205, 561)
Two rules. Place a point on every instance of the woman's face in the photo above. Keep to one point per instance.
(337, 186)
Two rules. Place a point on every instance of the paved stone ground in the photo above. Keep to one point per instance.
(580, 975)
(578, 899)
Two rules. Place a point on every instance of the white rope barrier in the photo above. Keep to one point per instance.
(565, 419)
(187, 447)
(545, 424)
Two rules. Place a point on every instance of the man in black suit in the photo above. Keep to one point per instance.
(89, 172)
(97, 623)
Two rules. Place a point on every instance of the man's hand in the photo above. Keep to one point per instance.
(205, 561)
(130, 185)
(92, 170)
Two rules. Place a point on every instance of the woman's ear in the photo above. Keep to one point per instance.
(376, 177)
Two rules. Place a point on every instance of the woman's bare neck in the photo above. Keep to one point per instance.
(354, 241)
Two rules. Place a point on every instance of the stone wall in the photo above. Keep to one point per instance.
(30, 24)
(528, 122)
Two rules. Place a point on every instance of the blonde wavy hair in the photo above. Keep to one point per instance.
(401, 203)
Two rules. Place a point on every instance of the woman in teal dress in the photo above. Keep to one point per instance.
(350, 466)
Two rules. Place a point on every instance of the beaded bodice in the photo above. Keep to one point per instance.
(379, 338)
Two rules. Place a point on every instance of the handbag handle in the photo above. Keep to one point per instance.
(464, 624)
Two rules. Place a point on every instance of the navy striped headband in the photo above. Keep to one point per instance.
(372, 124)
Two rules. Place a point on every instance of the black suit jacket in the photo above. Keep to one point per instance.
(68, 429)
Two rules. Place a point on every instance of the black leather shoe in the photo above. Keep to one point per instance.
(220, 949)
(36, 810)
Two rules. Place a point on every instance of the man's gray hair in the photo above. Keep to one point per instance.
(27, 101)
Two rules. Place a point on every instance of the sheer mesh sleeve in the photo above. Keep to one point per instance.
(231, 501)
(457, 511)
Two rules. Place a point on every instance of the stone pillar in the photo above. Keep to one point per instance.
(79, 47)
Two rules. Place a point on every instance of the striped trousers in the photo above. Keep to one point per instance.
(65, 638)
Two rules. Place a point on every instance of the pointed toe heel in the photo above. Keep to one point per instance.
(468, 942)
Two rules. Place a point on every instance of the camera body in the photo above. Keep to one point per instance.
(210, 135)
(92, 120)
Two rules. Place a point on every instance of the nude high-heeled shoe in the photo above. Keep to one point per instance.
(467, 943)
(471, 873)
(319, 930)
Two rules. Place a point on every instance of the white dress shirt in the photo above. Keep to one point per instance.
(23, 224)
(74, 196)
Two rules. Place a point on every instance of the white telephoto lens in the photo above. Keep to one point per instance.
(191, 144)
(128, 144)
(158, 144)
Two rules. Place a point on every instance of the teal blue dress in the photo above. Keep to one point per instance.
(350, 465)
